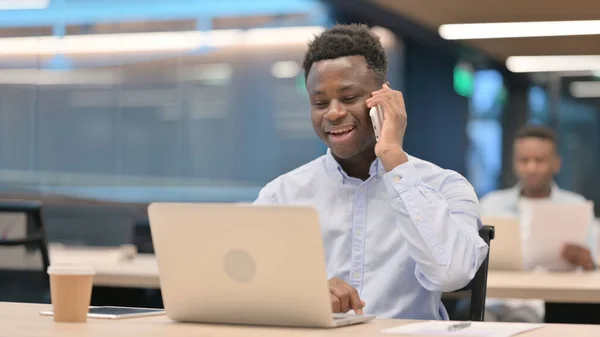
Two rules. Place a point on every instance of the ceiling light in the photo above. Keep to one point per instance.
(101, 43)
(518, 29)
(585, 89)
(284, 35)
(163, 41)
(218, 72)
(285, 69)
(23, 4)
(530, 64)
(153, 42)
(52, 77)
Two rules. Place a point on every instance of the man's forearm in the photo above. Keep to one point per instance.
(443, 240)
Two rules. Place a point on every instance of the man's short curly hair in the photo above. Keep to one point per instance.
(347, 40)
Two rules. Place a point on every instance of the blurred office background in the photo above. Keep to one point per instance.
(107, 105)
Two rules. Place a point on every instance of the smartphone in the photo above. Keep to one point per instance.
(108, 312)
(376, 114)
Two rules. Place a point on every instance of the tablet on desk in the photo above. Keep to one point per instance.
(116, 312)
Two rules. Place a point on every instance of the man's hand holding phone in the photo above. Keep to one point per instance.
(344, 297)
(391, 134)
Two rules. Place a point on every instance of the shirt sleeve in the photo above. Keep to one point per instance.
(267, 196)
(442, 235)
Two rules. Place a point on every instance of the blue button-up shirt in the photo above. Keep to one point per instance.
(400, 238)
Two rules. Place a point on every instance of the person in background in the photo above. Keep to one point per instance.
(535, 163)
(397, 230)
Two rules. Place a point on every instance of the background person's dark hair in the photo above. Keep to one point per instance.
(537, 131)
(348, 40)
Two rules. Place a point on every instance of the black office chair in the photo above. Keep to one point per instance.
(142, 237)
(478, 285)
(35, 238)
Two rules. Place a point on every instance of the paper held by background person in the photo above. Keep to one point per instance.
(549, 226)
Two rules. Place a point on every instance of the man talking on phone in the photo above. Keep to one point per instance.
(398, 231)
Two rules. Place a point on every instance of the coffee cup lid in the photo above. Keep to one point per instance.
(70, 269)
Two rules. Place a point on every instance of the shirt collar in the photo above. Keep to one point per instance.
(335, 171)
(516, 195)
(517, 190)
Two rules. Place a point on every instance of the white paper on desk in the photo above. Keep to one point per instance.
(548, 227)
(484, 329)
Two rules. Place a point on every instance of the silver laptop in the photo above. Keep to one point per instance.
(506, 251)
(243, 264)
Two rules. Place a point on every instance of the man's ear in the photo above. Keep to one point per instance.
(557, 164)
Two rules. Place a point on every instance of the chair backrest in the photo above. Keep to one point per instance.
(33, 211)
(37, 238)
(478, 285)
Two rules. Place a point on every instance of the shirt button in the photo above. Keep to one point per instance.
(356, 274)
(358, 232)
(397, 179)
(418, 218)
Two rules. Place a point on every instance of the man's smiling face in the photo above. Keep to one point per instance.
(338, 89)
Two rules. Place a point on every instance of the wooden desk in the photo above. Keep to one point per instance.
(142, 272)
(551, 287)
(21, 320)
(555, 287)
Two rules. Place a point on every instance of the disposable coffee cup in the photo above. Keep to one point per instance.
(71, 291)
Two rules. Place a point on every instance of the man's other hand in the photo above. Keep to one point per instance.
(344, 298)
(579, 256)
